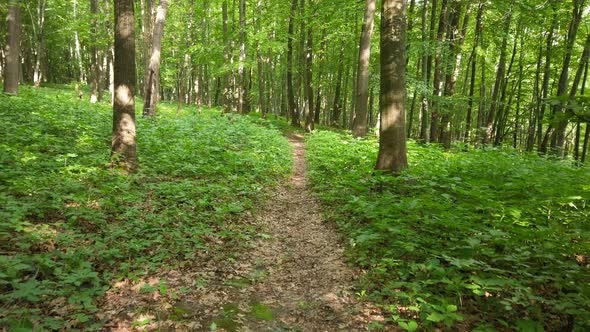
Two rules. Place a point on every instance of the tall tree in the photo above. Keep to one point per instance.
(392, 155)
(124, 148)
(12, 70)
(94, 58)
(152, 85)
(499, 80)
(290, 92)
(362, 83)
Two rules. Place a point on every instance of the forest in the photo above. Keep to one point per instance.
(301, 165)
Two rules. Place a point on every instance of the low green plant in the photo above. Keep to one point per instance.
(476, 238)
(69, 226)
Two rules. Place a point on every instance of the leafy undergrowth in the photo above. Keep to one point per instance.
(70, 227)
(478, 240)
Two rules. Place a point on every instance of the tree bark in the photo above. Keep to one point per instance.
(290, 93)
(94, 58)
(152, 86)
(124, 148)
(362, 82)
(242, 86)
(473, 62)
(309, 116)
(557, 144)
(12, 70)
(499, 80)
(392, 155)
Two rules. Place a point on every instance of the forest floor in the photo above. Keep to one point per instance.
(293, 277)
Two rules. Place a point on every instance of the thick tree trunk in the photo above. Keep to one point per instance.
(152, 85)
(12, 70)
(362, 82)
(392, 155)
(124, 149)
(77, 48)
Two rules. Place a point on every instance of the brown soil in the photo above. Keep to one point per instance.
(294, 277)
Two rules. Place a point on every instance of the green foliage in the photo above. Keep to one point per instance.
(69, 226)
(484, 237)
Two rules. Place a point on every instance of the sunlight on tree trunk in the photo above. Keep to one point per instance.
(392, 139)
(124, 149)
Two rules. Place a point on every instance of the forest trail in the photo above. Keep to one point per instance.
(293, 277)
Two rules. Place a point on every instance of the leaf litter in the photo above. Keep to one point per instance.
(292, 277)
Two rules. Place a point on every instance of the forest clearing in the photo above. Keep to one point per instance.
(249, 165)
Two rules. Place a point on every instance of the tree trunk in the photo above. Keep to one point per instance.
(437, 81)
(12, 70)
(242, 59)
(94, 58)
(557, 144)
(473, 62)
(124, 149)
(260, 63)
(362, 82)
(425, 77)
(499, 80)
(546, 74)
(290, 93)
(309, 117)
(152, 85)
(392, 155)
(337, 98)
(40, 43)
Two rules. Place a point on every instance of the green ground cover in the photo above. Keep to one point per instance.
(478, 240)
(69, 226)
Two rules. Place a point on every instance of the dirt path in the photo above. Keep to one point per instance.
(293, 278)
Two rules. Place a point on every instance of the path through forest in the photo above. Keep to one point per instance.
(294, 277)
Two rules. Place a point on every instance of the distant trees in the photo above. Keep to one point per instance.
(480, 73)
(12, 69)
(124, 150)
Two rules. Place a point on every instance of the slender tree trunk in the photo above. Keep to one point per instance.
(337, 98)
(437, 81)
(309, 117)
(77, 48)
(362, 82)
(260, 63)
(456, 38)
(579, 122)
(153, 81)
(558, 143)
(426, 58)
(124, 148)
(12, 71)
(94, 58)
(499, 80)
(290, 93)
(242, 59)
(392, 155)
(40, 43)
(546, 74)
(473, 62)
